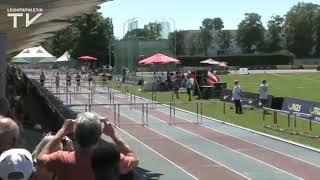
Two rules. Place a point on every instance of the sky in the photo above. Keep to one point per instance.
(188, 14)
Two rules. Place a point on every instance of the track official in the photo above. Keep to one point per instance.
(236, 97)
(263, 93)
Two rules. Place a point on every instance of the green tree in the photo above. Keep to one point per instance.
(64, 40)
(275, 32)
(177, 43)
(153, 30)
(217, 23)
(224, 40)
(196, 44)
(90, 34)
(299, 28)
(136, 33)
(206, 34)
(317, 32)
(96, 33)
(250, 33)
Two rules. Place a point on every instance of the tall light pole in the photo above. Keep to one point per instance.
(110, 51)
(124, 25)
(175, 36)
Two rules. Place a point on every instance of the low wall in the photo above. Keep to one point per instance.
(43, 107)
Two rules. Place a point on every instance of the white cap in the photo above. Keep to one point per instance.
(16, 163)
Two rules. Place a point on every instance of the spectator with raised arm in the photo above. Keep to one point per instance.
(41, 172)
(77, 164)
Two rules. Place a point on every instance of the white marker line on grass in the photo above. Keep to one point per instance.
(179, 167)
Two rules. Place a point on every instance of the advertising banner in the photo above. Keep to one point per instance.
(302, 106)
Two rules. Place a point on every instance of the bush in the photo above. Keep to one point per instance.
(318, 68)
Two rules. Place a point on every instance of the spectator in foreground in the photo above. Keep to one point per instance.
(16, 164)
(236, 96)
(87, 129)
(104, 162)
(41, 172)
(9, 134)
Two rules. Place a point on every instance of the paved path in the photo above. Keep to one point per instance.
(209, 151)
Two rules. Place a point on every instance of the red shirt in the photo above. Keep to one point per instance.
(77, 165)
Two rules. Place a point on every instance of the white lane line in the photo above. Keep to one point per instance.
(189, 148)
(216, 144)
(179, 167)
(220, 146)
(259, 145)
(241, 153)
(307, 162)
(247, 140)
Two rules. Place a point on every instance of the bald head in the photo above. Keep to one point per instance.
(9, 134)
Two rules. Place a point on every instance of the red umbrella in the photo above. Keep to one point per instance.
(159, 59)
(87, 58)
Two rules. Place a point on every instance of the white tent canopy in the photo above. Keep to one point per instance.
(210, 61)
(34, 52)
(65, 57)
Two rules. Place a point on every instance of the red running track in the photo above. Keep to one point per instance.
(196, 164)
(289, 164)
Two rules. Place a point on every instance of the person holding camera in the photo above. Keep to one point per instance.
(87, 129)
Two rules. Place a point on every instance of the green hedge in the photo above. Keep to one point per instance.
(243, 59)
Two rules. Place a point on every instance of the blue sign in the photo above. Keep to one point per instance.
(302, 106)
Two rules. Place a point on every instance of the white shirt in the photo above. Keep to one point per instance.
(263, 91)
(236, 93)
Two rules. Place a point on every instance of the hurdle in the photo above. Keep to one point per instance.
(310, 118)
(275, 116)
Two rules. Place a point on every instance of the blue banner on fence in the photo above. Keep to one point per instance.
(302, 106)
